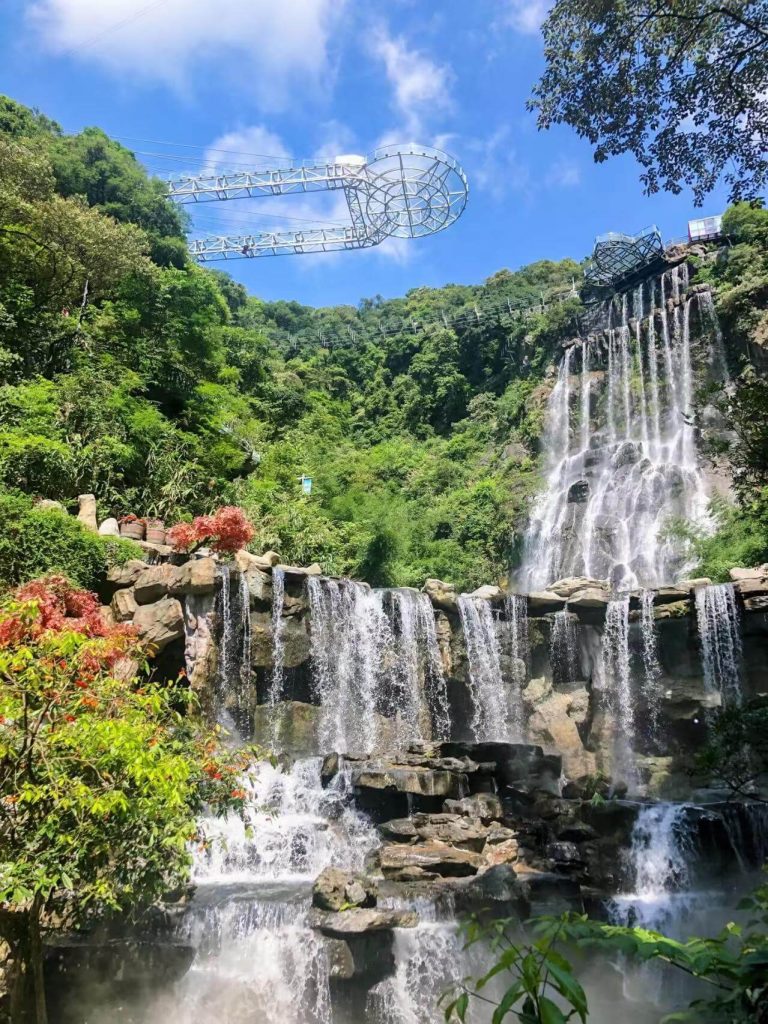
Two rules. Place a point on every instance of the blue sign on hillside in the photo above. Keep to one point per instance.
(306, 484)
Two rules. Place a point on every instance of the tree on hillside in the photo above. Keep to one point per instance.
(683, 87)
(100, 778)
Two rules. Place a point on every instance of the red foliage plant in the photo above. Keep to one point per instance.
(227, 530)
(53, 605)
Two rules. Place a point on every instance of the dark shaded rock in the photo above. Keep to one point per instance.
(330, 768)
(419, 781)
(497, 889)
(613, 818)
(578, 493)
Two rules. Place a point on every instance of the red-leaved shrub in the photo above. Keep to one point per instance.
(227, 530)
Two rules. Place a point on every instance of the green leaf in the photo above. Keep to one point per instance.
(569, 988)
(550, 1012)
(508, 1000)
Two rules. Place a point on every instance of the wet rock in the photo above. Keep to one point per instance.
(296, 723)
(564, 853)
(341, 963)
(435, 857)
(421, 781)
(612, 818)
(578, 493)
(339, 890)
(463, 833)
(161, 623)
(295, 636)
(400, 830)
(330, 768)
(672, 610)
(543, 601)
(442, 595)
(360, 921)
(484, 806)
(123, 605)
(555, 721)
(497, 888)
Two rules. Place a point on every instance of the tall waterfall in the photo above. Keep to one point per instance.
(350, 636)
(418, 658)
(564, 647)
(617, 680)
(234, 650)
(377, 671)
(622, 458)
(719, 623)
(278, 643)
(651, 666)
(496, 704)
(516, 612)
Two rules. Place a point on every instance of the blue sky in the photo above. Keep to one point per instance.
(190, 84)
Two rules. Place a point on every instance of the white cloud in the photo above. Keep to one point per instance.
(494, 166)
(564, 174)
(421, 87)
(526, 16)
(272, 50)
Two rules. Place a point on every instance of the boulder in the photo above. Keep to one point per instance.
(589, 597)
(107, 616)
(435, 857)
(339, 890)
(46, 504)
(299, 572)
(161, 623)
(109, 528)
(360, 921)
(694, 584)
(672, 609)
(442, 595)
(488, 593)
(752, 586)
(123, 605)
(295, 637)
(245, 561)
(453, 829)
(87, 511)
(555, 723)
(542, 601)
(399, 830)
(199, 647)
(154, 582)
(197, 576)
(126, 575)
(570, 586)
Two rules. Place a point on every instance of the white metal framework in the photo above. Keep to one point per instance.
(403, 192)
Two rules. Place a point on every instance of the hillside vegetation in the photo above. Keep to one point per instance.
(167, 390)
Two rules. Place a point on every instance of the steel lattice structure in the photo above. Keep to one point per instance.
(617, 257)
(404, 192)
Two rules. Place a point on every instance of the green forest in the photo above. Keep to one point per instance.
(166, 389)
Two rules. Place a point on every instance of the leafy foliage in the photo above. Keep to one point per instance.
(736, 751)
(532, 972)
(100, 779)
(38, 541)
(681, 86)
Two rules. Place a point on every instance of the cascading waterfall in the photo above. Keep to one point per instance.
(496, 705)
(659, 855)
(234, 658)
(632, 463)
(278, 640)
(419, 666)
(257, 957)
(719, 624)
(564, 647)
(616, 679)
(429, 959)
(516, 613)
(651, 666)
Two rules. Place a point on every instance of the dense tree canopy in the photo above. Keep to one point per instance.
(682, 86)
